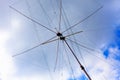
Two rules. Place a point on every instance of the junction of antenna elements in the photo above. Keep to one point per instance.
(60, 36)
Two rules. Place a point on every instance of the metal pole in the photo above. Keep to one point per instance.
(81, 66)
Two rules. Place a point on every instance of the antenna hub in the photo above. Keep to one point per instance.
(62, 38)
(59, 34)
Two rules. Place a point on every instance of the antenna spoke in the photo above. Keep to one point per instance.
(83, 19)
(26, 50)
(31, 19)
(50, 41)
(73, 33)
(60, 15)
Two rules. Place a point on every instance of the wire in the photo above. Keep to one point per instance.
(39, 40)
(74, 40)
(49, 19)
(34, 25)
(48, 66)
(71, 32)
(73, 35)
(81, 45)
(57, 52)
(73, 75)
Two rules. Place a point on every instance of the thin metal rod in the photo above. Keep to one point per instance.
(50, 41)
(32, 19)
(34, 47)
(83, 19)
(26, 50)
(81, 66)
(60, 15)
(73, 33)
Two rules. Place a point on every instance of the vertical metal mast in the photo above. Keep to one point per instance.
(81, 66)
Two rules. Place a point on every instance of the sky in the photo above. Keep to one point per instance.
(101, 36)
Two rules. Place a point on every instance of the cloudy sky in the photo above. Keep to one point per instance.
(97, 47)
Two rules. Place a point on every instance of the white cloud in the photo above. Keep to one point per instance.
(15, 23)
(7, 67)
(100, 68)
(95, 66)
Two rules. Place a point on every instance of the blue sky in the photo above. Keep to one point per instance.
(101, 32)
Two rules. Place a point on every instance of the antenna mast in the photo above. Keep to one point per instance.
(61, 37)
